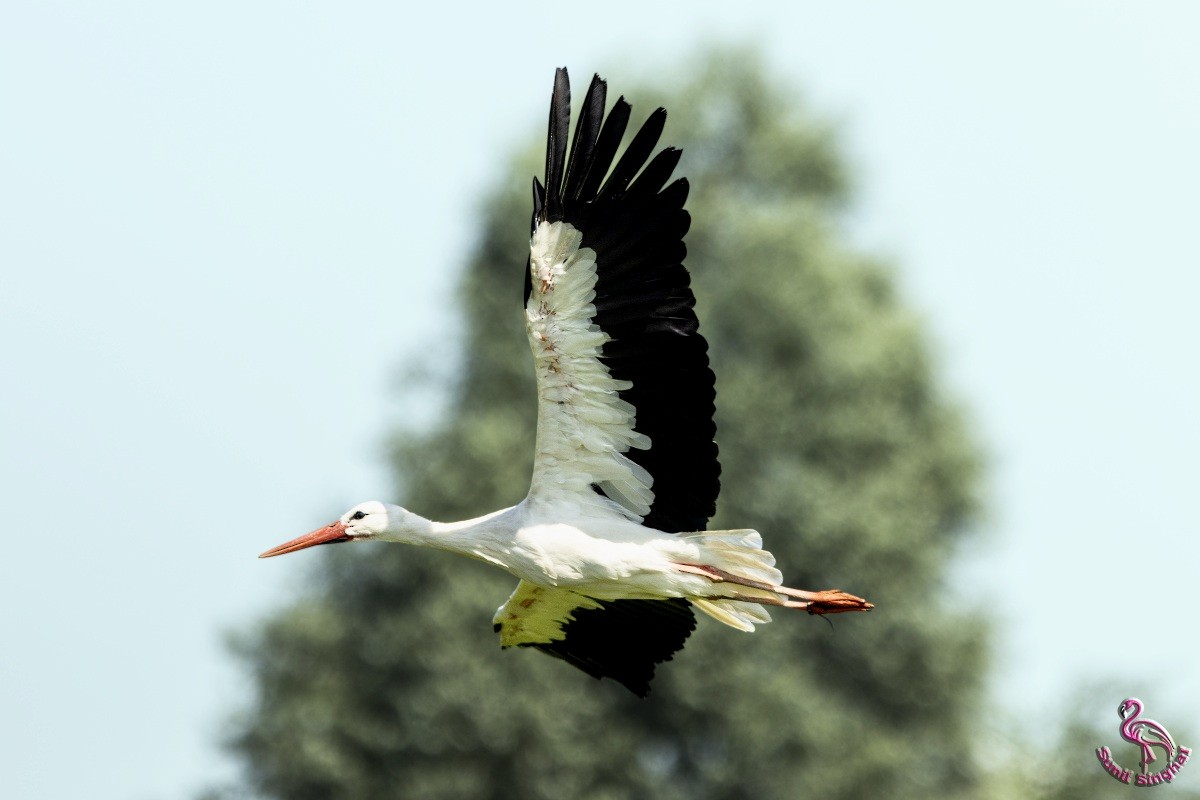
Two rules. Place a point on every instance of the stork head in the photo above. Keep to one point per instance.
(364, 521)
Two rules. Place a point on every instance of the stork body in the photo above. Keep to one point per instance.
(610, 544)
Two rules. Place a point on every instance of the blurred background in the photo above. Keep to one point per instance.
(259, 262)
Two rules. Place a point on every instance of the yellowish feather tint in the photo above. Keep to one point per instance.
(536, 614)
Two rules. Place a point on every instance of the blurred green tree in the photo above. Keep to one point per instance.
(385, 679)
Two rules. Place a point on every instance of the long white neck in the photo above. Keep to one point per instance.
(476, 537)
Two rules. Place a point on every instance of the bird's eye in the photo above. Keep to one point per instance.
(357, 515)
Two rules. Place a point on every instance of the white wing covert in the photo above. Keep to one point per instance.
(584, 427)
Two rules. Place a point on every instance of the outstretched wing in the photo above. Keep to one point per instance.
(619, 639)
(625, 393)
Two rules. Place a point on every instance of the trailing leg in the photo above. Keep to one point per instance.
(828, 601)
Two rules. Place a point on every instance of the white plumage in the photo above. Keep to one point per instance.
(584, 427)
(609, 544)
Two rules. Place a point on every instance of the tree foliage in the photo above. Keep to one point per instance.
(385, 680)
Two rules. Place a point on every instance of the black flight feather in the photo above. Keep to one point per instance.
(587, 130)
(606, 147)
(556, 141)
(624, 639)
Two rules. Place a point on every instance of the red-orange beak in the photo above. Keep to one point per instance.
(334, 532)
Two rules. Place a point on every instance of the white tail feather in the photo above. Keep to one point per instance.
(735, 613)
(738, 552)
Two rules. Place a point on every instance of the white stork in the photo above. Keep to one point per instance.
(610, 544)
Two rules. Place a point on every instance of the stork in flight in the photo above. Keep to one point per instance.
(610, 544)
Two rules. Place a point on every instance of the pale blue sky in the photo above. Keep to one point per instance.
(225, 226)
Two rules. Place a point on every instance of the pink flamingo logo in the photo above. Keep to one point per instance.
(1145, 733)
(1148, 735)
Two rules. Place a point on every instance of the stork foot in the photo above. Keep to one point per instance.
(831, 601)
